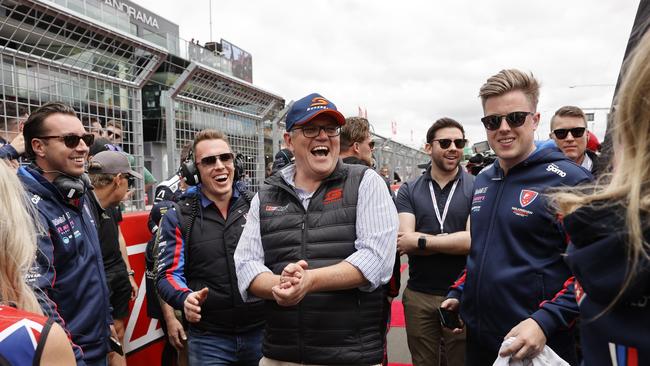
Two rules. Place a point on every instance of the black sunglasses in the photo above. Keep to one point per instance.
(110, 133)
(72, 141)
(212, 160)
(562, 133)
(514, 119)
(130, 180)
(446, 143)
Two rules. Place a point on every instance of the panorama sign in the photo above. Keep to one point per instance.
(133, 12)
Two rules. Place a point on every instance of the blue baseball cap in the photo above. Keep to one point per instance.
(307, 108)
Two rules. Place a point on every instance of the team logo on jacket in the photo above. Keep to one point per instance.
(526, 197)
(333, 195)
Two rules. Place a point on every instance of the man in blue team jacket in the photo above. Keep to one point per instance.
(516, 282)
(69, 272)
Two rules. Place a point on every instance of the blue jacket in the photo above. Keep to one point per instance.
(69, 268)
(597, 256)
(515, 269)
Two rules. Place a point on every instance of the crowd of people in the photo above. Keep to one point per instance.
(502, 265)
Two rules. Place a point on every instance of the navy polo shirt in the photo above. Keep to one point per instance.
(433, 274)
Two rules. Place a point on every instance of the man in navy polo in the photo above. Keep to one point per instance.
(433, 215)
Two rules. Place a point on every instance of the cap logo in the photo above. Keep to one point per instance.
(318, 103)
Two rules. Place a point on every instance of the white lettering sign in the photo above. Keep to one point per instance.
(133, 12)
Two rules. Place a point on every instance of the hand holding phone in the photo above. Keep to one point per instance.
(450, 319)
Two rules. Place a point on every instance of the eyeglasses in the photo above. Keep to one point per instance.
(514, 119)
(446, 143)
(562, 133)
(209, 161)
(313, 131)
(371, 144)
(72, 141)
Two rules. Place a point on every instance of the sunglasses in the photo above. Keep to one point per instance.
(209, 161)
(514, 119)
(446, 143)
(110, 133)
(562, 133)
(72, 141)
(313, 131)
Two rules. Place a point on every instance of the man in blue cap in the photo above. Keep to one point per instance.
(318, 245)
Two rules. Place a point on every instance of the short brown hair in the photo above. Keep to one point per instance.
(355, 129)
(114, 123)
(510, 80)
(208, 134)
(34, 124)
(443, 123)
(569, 111)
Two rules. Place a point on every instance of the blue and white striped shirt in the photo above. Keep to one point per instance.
(376, 229)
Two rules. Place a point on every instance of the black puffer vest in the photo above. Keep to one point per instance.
(209, 263)
(335, 327)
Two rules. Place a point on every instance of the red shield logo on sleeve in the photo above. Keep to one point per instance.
(526, 197)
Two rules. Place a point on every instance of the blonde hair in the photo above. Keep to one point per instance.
(18, 232)
(509, 80)
(627, 184)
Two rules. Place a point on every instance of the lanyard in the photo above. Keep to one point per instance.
(441, 220)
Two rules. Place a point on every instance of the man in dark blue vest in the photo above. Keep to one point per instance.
(318, 245)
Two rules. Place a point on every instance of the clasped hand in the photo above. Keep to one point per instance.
(295, 283)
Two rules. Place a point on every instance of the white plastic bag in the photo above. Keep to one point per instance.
(546, 358)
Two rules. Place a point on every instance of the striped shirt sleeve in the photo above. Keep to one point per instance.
(249, 255)
(376, 229)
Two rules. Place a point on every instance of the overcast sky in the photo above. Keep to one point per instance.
(416, 61)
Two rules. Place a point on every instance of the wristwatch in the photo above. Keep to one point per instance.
(131, 273)
(422, 242)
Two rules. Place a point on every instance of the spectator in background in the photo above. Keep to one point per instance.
(114, 132)
(434, 232)
(41, 341)
(283, 158)
(14, 121)
(75, 282)
(607, 225)
(356, 141)
(385, 173)
(12, 142)
(110, 175)
(569, 131)
(94, 126)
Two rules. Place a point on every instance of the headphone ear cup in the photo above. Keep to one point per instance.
(239, 167)
(188, 170)
(190, 173)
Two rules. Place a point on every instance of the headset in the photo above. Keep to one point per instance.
(190, 173)
(70, 187)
